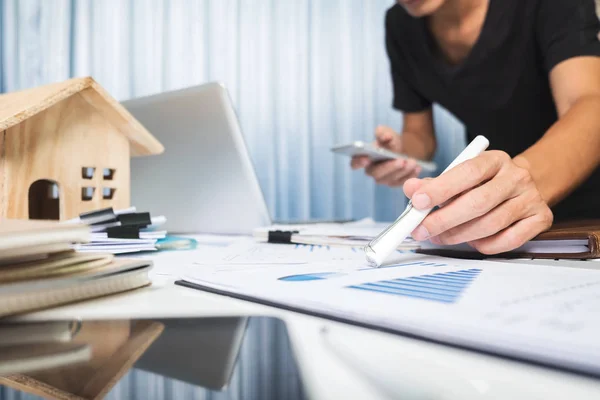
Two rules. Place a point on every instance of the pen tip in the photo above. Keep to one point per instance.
(371, 257)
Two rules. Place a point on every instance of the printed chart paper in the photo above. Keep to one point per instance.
(546, 314)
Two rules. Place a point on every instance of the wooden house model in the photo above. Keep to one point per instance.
(65, 149)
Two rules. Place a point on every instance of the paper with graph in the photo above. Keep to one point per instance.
(545, 314)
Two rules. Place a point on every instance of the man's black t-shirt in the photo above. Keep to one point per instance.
(501, 90)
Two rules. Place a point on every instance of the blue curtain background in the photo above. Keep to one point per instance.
(303, 74)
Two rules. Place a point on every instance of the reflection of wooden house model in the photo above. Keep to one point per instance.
(65, 149)
(115, 347)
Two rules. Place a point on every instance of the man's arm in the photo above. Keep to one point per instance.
(497, 203)
(570, 151)
(418, 137)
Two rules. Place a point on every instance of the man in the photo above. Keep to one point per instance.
(523, 73)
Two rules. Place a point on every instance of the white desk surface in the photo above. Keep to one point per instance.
(367, 364)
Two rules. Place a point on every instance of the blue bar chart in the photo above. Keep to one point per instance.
(307, 277)
(444, 287)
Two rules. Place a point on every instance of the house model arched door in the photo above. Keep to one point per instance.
(44, 200)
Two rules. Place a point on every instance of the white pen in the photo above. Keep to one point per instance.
(389, 240)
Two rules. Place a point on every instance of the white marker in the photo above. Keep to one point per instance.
(389, 240)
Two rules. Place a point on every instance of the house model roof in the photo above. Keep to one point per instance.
(18, 106)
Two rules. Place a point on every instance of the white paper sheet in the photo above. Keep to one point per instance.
(245, 254)
(545, 314)
(175, 263)
(357, 233)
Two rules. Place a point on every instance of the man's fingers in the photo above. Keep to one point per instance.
(459, 179)
(468, 207)
(398, 178)
(390, 179)
(393, 173)
(516, 235)
(414, 184)
(384, 135)
(360, 162)
(380, 170)
(411, 164)
(491, 223)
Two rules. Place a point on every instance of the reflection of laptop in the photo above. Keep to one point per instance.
(204, 181)
(202, 352)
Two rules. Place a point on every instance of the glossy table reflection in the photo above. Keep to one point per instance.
(195, 358)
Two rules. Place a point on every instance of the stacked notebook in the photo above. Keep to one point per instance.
(39, 268)
(120, 231)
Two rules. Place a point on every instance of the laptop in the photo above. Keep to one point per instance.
(204, 182)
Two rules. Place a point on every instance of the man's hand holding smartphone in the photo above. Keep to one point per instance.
(390, 173)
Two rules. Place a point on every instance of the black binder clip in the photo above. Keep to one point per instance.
(281, 237)
(139, 220)
(96, 217)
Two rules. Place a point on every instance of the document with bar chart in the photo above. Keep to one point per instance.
(543, 314)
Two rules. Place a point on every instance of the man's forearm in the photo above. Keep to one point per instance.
(419, 146)
(568, 153)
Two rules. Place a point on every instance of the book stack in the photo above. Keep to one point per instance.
(120, 231)
(39, 268)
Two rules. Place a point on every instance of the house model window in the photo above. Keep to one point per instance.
(66, 149)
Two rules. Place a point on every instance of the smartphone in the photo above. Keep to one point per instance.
(376, 154)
